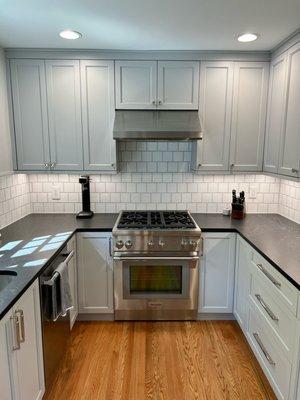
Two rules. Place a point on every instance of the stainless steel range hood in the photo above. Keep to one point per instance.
(157, 125)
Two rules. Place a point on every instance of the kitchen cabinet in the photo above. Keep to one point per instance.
(215, 103)
(275, 113)
(169, 85)
(5, 364)
(217, 273)
(64, 114)
(248, 115)
(29, 101)
(72, 269)
(21, 349)
(289, 157)
(95, 273)
(242, 282)
(178, 85)
(98, 109)
(136, 84)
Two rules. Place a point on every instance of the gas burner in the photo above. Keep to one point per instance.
(156, 220)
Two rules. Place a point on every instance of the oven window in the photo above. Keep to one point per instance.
(155, 279)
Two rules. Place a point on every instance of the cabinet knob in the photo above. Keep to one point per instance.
(159, 102)
(295, 171)
(46, 165)
(154, 102)
(231, 166)
(52, 165)
(199, 165)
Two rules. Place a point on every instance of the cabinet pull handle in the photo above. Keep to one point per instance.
(263, 349)
(269, 276)
(20, 314)
(16, 345)
(266, 308)
(109, 246)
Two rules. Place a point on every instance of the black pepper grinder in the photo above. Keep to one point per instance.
(86, 200)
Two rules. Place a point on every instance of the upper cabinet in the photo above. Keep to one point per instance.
(136, 84)
(29, 100)
(177, 85)
(98, 110)
(169, 85)
(275, 114)
(289, 156)
(215, 99)
(248, 115)
(64, 114)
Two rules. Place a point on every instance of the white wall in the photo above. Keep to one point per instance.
(5, 145)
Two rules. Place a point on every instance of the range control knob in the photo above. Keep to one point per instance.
(119, 244)
(161, 243)
(150, 243)
(184, 243)
(193, 243)
(128, 244)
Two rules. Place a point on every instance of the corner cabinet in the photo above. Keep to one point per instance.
(98, 110)
(169, 85)
(217, 273)
(21, 351)
(250, 90)
(63, 113)
(95, 273)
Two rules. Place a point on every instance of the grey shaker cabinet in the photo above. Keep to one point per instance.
(289, 156)
(64, 114)
(248, 115)
(215, 103)
(29, 100)
(98, 109)
(275, 113)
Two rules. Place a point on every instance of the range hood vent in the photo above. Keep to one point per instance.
(157, 125)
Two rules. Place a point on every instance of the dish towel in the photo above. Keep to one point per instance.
(65, 290)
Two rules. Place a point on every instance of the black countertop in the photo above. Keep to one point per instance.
(40, 237)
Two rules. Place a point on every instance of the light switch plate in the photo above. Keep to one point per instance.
(55, 192)
(253, 191)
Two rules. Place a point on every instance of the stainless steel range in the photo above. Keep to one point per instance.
(156, 265)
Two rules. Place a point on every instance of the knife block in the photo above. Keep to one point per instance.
(238, 211)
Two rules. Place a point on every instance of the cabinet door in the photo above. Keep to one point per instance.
(72, 269)
(95, 273)
(29, 358)
(215, 101)
(30, 114)
(136, 84)
(289, 161)
(242, 282)
(7, 383)
(178, 85)
(248, 115)
(64, 110)
(98, 109)
(275, 112)
(217, 273)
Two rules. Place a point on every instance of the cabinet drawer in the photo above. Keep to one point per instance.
(278, 316)
(266, 347)
(274, 280)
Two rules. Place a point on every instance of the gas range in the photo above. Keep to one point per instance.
(156, 231)
(156, 265)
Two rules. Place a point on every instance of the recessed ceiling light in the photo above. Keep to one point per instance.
(247, 37)
(69, 34)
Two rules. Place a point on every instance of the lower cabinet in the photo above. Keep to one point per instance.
(95, 273)
(72, 268)
(21, 351)
(242, 282)
(217, 273)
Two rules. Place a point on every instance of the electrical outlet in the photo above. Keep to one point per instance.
(55, 193)
(253, 191)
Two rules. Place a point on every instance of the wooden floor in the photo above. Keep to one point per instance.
(159, 361)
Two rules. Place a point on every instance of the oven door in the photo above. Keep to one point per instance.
(156, 288)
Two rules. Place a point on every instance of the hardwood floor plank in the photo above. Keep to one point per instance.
(207, 360)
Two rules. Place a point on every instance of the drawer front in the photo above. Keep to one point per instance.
(280, 286)
(266, 347)
(278, 316)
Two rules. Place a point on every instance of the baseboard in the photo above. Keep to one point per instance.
(215, 317)
(95, 317)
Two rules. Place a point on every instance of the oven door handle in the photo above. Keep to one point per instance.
(195, 258)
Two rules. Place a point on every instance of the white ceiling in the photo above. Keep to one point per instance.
(147, 24)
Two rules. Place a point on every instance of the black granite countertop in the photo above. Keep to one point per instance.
(30, 244)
